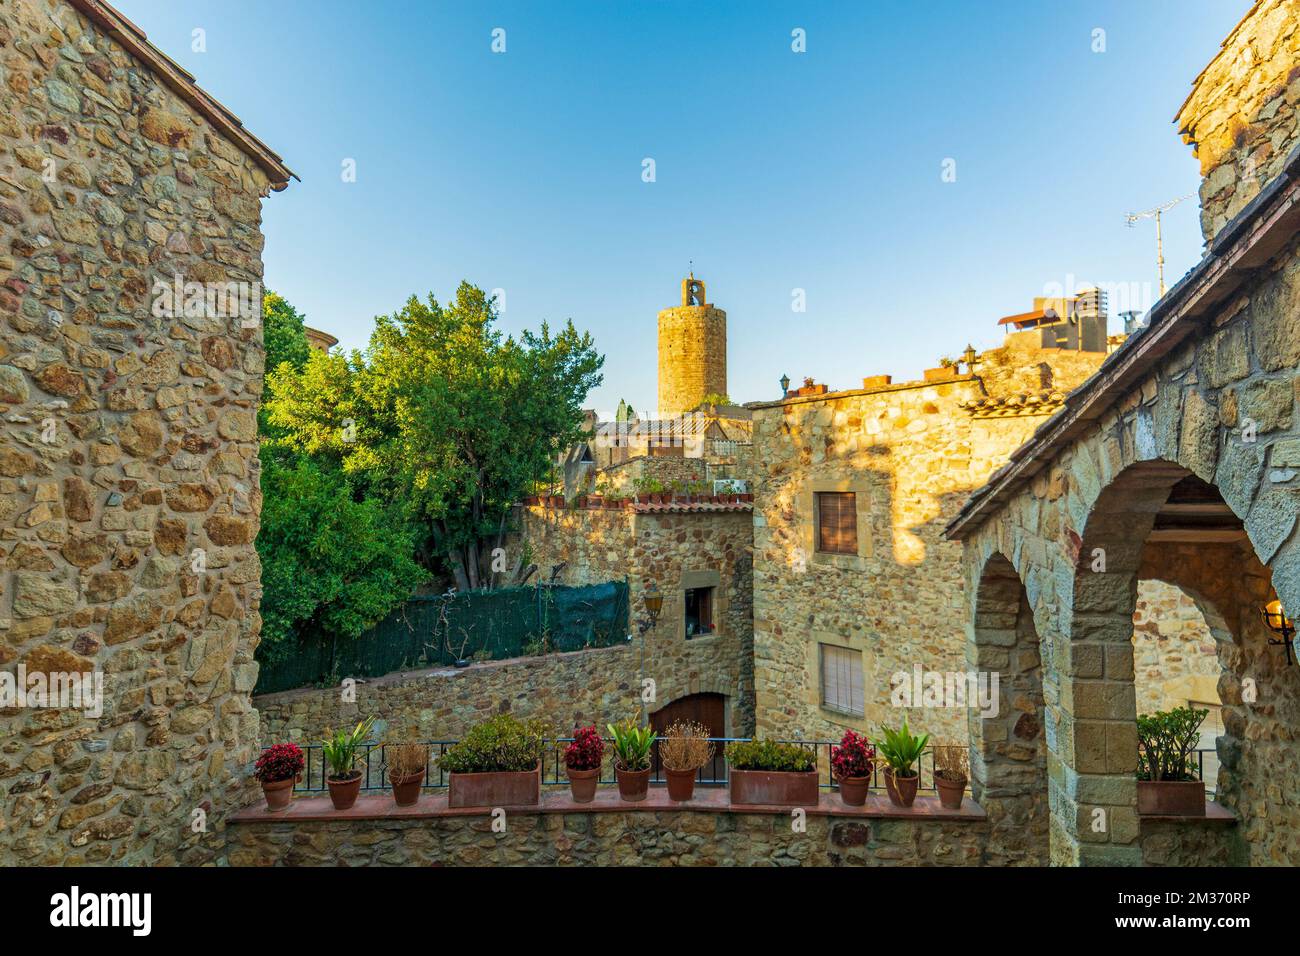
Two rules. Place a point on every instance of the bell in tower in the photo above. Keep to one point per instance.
(692, 351)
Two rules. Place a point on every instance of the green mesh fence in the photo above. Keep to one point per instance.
(436, 630)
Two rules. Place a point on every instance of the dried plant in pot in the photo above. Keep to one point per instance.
(632, 745)
(852, 764)
(582, 760)
(683, 749)
(900, 750)
(407, 762)
(951, 774)
(340, 749)
(1169, 782)
(278, 768)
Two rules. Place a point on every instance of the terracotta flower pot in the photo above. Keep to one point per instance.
(344, 792)
(785, 788)
(853, 790)
(583, 784)
(406, 790)
(279, 793)
(501, 788)
(595, 502)
(950, 792)
(532, 500)
(1171, 798)
(632, 784)
(901, 790)
(681, 784)
(557, 501)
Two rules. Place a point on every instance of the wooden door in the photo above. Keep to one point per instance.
(709, 710)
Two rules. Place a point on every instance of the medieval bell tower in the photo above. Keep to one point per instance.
(692, 351)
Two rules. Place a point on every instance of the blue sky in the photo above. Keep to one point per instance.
(775, 170)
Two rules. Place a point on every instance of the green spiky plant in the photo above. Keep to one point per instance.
(632, 745)
(900, 749)
(341, 746)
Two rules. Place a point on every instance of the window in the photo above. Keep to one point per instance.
(837, 522)
(842, 680)
(699, 611)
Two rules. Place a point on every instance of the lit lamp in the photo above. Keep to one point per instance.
(1281, 625)
(654, 602)
(785, 385)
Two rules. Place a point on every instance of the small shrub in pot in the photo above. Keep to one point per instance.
(852, 763)
(582, 761)
(683, 749)
(900, 750)
(278, 768)
(632, 745)
(340, 750)
(770, 772)
(498, 763)
(1169, 782)
(951, 774)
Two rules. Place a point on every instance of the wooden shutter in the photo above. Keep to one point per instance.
(837, 522)
(842, 680)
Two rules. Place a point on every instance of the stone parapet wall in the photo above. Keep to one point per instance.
(1241, 115)
(128, 448)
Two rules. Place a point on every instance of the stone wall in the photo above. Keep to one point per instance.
(1174, 657)
(129, 441)
(1241, 114)
(677, 547)
(631, 838)
(911, 452)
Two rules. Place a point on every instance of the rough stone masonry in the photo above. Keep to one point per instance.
(128, 445)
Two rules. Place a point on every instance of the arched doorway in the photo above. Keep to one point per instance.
(1008, 748)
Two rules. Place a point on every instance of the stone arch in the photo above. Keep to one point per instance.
(1009, 747)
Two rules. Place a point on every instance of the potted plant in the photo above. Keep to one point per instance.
(1168, 779)
(278, 768)
(632, 745)
(582, 760)
(901, 750)
(766, 772)
(340, 750)
(497, 764)
(951, 774)
(852, 764)
(406, 763)
(683, 749)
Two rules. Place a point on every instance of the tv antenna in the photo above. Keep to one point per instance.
(1131, 220)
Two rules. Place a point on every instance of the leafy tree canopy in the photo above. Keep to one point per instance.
(445, 412)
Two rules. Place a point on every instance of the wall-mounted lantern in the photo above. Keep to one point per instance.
(969, 358)
(654, 602)
(1277, 621)
(785, 385)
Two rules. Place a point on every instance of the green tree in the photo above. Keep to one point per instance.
(447, 413)
(335, 560)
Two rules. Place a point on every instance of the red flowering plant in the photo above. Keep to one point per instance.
(585, 751)
(279, 762)
(854, 757)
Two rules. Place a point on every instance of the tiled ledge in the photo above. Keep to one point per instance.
(1213, 814)
(380, 806)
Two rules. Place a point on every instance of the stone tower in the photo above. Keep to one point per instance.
(692, 351)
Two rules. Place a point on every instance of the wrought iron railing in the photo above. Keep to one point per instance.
(374, 776)
(714, 773)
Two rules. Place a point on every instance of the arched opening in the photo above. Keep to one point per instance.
(1008, 747)
(1157, 522)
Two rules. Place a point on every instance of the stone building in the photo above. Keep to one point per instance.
(318, 340)
(853, 582)
(1179, 461)
(699, 556)
(130, 369)
(692, 351)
